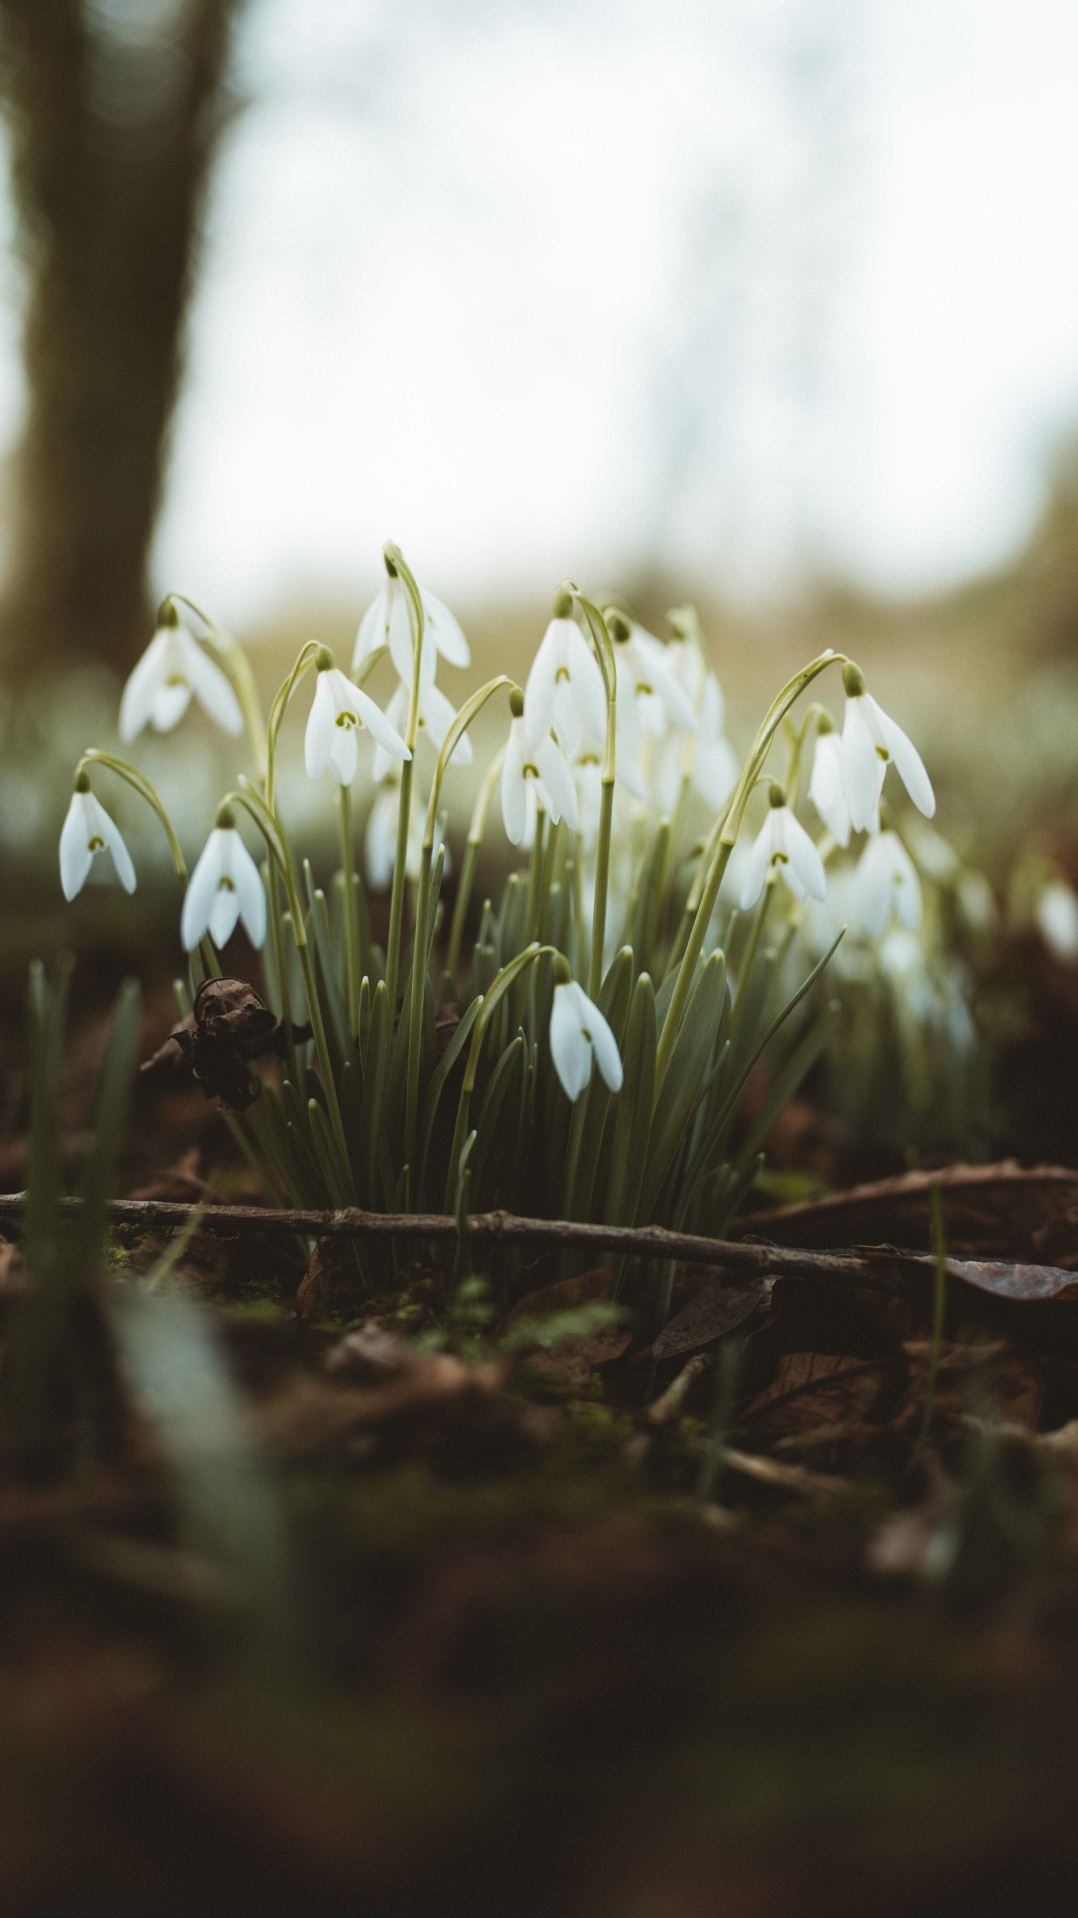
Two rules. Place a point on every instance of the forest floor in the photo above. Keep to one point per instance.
(776, 1612)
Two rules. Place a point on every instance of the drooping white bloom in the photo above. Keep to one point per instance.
(782, 844)
(380, 836)
(826, 790)
(535, 776)
(649, 696)
(871, 741)
(225, 887)
(173, 667)
(1056, 916)
(436, 715)
(580, 1034)
(564, 692)
(388, 622)
(86, 831)
(887, 885)
(706, 759)
(337, 713)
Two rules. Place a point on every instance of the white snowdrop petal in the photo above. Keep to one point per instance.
(557, 781)
(137, 699)
(321, 721)
(908, 764)
(75, 855)
(353, 699)
(210, 685)
(862, 768)
(344, 754)
(569, 1049)
(514, 798)
(448, 632)
(804, 859)
(250, 893)
(168, 704)
(371, 632)
(587, 682)
(714, 771)
(121, 858)
(201, 891)
(540, 684)
(605, 1047)
(756, 866)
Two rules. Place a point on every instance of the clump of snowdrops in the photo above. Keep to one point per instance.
(577, 1047)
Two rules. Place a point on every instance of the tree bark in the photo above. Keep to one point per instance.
(114, 135)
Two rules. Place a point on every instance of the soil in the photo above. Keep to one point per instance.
(777, 1613)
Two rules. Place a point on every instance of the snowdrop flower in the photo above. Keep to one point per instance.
(588, 780)
(1056, 916)
(380, 836)
(870, 743)
(388, 622)
(172, 668)
(338, 712)
(825, 787)
(887, 885)
(564, 693)
(436, 715)
(579, 1035)
(649, 696)
(782, 844)
(707, 759)
(225, 886)
(88, 830)
(531, 777)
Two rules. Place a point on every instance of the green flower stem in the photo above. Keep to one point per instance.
(604, 649)
(468, 712)
(535, 876)
(602, 883)
(400, 864)
(278, 845)
(720, 857)
(351, 921)
(504, 983)
(471, 854)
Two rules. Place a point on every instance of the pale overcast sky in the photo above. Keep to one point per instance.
(547, 286)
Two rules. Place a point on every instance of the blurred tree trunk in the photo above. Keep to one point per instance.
(116, 109)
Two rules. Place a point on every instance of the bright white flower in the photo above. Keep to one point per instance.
(649, 696)
(380, 837)
(436, 715)
(338, 712)
(1056, 915)
(826, 789)
(887, 885)
(579, 1034)
(388, 622)
(88, 830)
(707, 759)
(782, 844)
(173, 667)
(564, 693)
(225, 886)
(535, 776)
(870, 743)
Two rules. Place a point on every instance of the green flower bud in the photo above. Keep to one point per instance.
(226, 818)
(853, 680)
(82, 781)
(324, 660)
(516, 702)
(167, 614)
(563, 973)
(563, 603)
(618, 626)
(775, 794)
(825, 724)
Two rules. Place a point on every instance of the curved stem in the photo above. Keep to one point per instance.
(351, 927)
(231, 652)
(471, 853)
(140, 784)
(720, 858)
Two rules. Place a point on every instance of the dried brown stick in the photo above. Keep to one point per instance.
(875, 1266)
